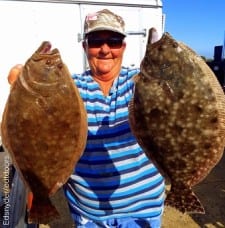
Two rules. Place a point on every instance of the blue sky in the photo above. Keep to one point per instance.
(198, 23)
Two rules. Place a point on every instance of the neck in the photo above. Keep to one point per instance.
(104, 85)
(105, 81)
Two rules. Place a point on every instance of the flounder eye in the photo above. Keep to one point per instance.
(60, 65)
(48, 62)
(175, 44)
(162, 47)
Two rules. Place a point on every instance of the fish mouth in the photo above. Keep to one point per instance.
(45, 48)
(153, 36)
(154, 39)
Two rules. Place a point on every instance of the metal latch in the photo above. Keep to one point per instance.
(143, 32)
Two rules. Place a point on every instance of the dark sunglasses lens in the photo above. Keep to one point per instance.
(115, 43)
(95, 43)
(111, 42)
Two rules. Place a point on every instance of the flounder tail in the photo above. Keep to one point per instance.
(184, 200)
(42, 212)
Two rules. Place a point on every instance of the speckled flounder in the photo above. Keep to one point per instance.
(44, 128)
(178, 116)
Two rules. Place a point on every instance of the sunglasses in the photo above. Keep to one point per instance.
(112, 42)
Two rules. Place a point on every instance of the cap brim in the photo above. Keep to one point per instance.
(106, 29)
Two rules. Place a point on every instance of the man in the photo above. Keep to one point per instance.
(114, 184)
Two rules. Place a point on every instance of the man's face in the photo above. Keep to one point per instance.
(104, 50)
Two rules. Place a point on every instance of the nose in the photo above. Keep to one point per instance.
(105, 48)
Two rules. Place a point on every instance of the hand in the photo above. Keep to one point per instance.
(14, 73)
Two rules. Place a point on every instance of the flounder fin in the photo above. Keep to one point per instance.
(185, 201)
(42, 212)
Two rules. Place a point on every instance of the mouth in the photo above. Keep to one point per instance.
(104, 58)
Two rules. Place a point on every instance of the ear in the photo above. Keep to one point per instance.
(124, 45)
(84, 45)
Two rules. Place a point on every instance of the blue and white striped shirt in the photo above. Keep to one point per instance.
(113, 178)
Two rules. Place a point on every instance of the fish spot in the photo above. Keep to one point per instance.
(154, 113)
(51, 110)
(207, 145)
(198, 108)
(214, 120)
(41, 146)
(178, 129)
(64, 89)
(40, 102)
(177, 164)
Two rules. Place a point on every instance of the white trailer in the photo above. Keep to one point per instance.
(25, 24)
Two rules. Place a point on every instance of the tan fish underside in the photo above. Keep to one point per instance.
(178, 117)
(44, 128)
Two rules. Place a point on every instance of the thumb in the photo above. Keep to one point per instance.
(14, 73)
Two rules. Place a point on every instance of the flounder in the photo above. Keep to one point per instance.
(178, 116)
(44, 128)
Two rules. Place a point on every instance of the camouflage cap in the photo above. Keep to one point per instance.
(104, 20)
